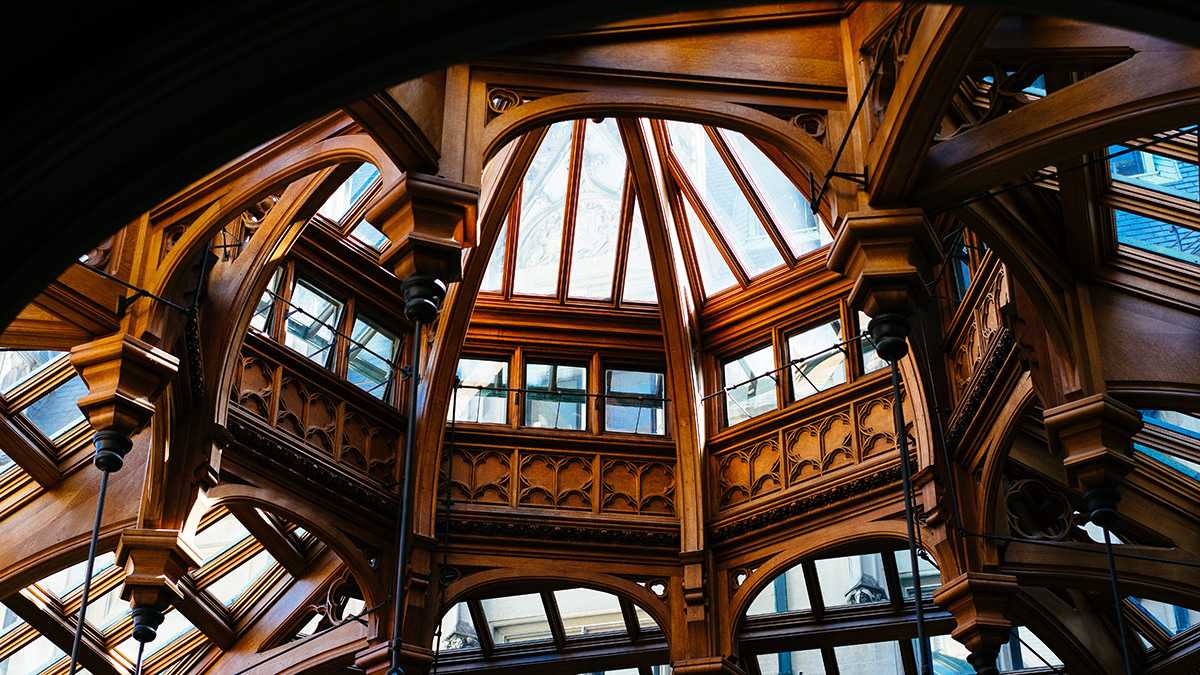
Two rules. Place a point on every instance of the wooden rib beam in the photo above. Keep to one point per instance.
(206, 614)
(943, 48)
(581, 656)
(790, 633)
(1085, 566)
(277, 542)
(629, 615)
(32, 456)
(60, 630)
(483, 632)
(1151, 91)
(554, 618)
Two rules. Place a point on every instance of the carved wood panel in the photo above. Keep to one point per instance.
(981, 329)
(315, 413)
(773, 463)
(589, 482)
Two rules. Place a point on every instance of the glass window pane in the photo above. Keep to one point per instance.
(587, 612)
(219, 537)
(261, 320)
(230, 587)
(949, 655)
(493, 277)
(641, 412)
(876, 658)
(751, 397)
(18, 365)
(1179, 422)
(725, 201)
(852, 580)
(931, 578)
(556, 396)
(597, 211)
(639, 275)
(715, 274)
(370, 368)
(1154, 172)
(1025, 650)
(65, 581)
(786, 593)
(349, 192)
(1184, 466)
(458, 631)
(1171, 618)
(58, 411)
(960, 262)
(824, 359)
(482, 395)
(872, 361)
(516, 618)
(370, 235)
(1144, 232)
(807, 662)
(311, 322)
(6, 462)
(104, 611)
(802, 229)
(543, 203)
(32, 658)
(8, 619)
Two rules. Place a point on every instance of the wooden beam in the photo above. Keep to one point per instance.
(945, 44)
(60, 630)
(554, 618)
(206, 614)
(1152, 91)
(629, 614)
(29, 452)
(483, 632)
(272, 537)
(1157, 574)
(792, 633)
(581, 656)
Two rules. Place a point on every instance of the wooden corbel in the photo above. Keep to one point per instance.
(980, 604)
(889, 255)
(155, 562)
(429, 220)
(124, 376)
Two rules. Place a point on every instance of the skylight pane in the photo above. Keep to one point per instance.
(949, 655)
(370, 235)
(458, 631)
(753, 390)
(58, 411)
(543, 203)
(311, 322)
(818, 361)
(807, 662)
(715, 274)
(1025, 650)
(598, 212)
(6, 462)
(370, 367)
(8, 619)
(802, 229)
(876, 658)
(63, 582)
(852, 580)
(482, 395)
(1154, 172)
(588, 612)
(1171, 618)
(173, 626)
(230, 587)
(639, 275)
(1182, 465)
(106, 610)
(1175, 241)
(32, 658)
(344, 197)
(493, 277)
(931, 578)
(18, 365)
(786, 593)
(219, 537)
(516, 618)
(726, 202)
(1179, 422)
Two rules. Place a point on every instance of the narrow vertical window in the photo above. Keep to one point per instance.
(312, 321)
(597, 212)
(482, 393)
(633, 402)
(639, 275)
(556, 396)
(871, 361)
(543, 204)
(750, 385)
(493, 277)
(369, 366)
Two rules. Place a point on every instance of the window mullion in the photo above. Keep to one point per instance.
(689, 193)
(624, 236)
(569, 208)
(752, 197)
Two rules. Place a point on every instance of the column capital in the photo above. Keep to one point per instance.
(889, 254)
(980, 604)
(124, 376)
(1095, 434)
(155, 562)
(429, 220)
(707, 665)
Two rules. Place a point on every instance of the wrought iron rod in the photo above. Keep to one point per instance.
(91, 564)
(410, 434)
(1117, 602)
(910, 519)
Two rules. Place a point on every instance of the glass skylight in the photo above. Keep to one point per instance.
(715, 275)
(219, 537)
(598, 213)
(516, 618)
(1173, 619)
(1155, 172)
(639, 275)
(370, 235)
(808, 662)
(1151, 234)
(348, 193)
(230, 587)
(32, 658)
(587, 612)
(852, 580)
(18, 365)
(311, 321)
(58, 411)
(786, 593)
(65, 581)
(724, 200)
(6, 462)
(173, 626)
(493, 277)
(543, 199)
(875, 658)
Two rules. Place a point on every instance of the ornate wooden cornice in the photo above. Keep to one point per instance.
(981, 384)
(548, 530)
